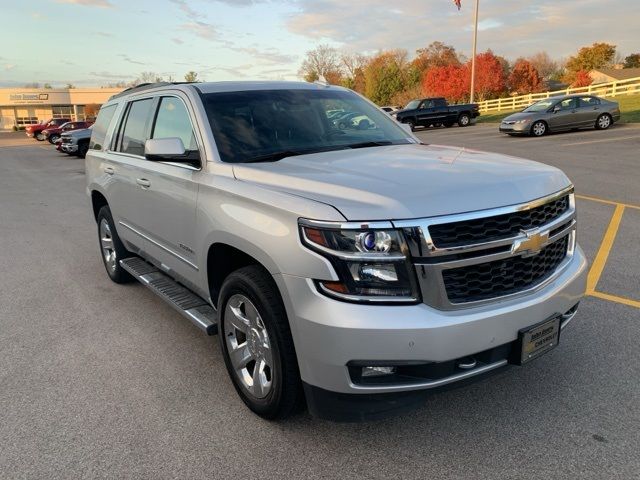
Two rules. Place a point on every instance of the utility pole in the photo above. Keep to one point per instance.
(473, 57)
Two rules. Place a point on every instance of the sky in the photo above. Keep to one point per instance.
(96, 42)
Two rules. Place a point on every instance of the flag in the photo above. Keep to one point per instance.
(458, 3)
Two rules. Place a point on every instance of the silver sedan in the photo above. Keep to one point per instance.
(556, 114)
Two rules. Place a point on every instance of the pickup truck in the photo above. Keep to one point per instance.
(356, 269)
(35, 131)
(53, 133)
(436, 111)
(75, 142)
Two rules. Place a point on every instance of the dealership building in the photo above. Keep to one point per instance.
(24, 106)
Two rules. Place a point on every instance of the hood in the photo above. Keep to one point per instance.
(407, 181)
(522, 116)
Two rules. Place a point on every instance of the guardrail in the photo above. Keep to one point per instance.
(611, 89)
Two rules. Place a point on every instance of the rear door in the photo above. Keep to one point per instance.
(588, 111)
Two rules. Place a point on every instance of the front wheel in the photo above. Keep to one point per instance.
(83, 148)
(538, 129)
(257, 345)
(39, 136)
(604, 121)
(53, 139)
(411, 124)
(464, 120)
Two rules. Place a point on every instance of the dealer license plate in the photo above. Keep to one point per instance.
(539, 339)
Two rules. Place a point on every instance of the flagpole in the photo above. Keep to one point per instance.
(473, 57)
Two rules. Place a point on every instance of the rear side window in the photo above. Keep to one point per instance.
(173, 121)
(100, 127)
(135, 132)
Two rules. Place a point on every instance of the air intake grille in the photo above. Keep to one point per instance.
(503, 277)
(489, 229)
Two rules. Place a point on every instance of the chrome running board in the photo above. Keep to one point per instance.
(190, 305)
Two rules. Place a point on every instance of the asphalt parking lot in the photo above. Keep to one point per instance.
(99, 380)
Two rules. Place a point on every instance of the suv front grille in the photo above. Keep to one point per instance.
(480, 230)
(484, 281)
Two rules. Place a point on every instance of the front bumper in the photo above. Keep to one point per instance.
(330, 334)
(516, 128)
(69, 147)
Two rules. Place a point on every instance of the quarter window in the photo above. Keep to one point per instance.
(134, 134)
(100, 127)
(173, 121)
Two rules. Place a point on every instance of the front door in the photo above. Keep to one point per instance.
(426, 113)
(162, 196)
(565, 114)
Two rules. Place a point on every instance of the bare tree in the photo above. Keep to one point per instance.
(544, 64)
(191, 76)
(323, 61)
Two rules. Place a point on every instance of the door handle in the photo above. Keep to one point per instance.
(109, 170)
(143, 182)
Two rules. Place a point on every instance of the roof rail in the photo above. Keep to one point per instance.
(145, 86)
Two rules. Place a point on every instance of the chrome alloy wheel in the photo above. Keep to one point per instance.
(604, 121)
(248, 346)
(106, 244)
(539, 129)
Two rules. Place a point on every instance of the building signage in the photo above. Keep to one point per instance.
(28, 96)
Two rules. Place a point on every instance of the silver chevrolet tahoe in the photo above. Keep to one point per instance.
(347, 264)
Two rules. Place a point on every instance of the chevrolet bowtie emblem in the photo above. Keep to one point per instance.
(532, 244)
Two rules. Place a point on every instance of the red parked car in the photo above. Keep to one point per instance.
(35, 131)
(53, 133)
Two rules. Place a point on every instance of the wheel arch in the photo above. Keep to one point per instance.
(98, 200)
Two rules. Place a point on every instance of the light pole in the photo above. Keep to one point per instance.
(473, 56)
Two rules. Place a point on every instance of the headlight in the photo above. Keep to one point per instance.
(526, 120)
(372, 263)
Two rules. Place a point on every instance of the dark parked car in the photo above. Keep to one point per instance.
(436, 111)
(35, 131)
(568, 112)
(53, 133)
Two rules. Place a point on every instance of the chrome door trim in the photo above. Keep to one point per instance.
(157, 244)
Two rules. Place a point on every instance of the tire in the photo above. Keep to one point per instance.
(52, 138)
(539, 128)
(464, 120)
(411, 124)
(110, 243)
(604, 121)
(83, 148)
(39, 136)
(249, 300)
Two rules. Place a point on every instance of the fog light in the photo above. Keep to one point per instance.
(377, 371)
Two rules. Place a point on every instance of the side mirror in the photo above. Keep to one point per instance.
(168, 150)
(406, 127)
(556, 109)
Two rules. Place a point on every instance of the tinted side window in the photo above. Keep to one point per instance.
(173, 121)
(569, 103)
(100, 127)
(589, 101)
(134, 134)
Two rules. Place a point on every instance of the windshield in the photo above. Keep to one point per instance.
(412, 104)
(541, 106)
(267, 125)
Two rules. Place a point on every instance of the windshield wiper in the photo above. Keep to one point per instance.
(274, 156)
(368, 144)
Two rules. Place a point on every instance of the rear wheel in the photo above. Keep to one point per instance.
(257, 345)
(464, 120)
(111, 248)
(538, 128)
(604, 121)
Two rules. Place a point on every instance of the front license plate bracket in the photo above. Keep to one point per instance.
(536, 340)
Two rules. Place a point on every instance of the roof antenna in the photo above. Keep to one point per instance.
(322, 81)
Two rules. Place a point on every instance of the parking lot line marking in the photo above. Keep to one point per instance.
(604, 250)
(608, 202)
(586, 142)
(615, 298)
